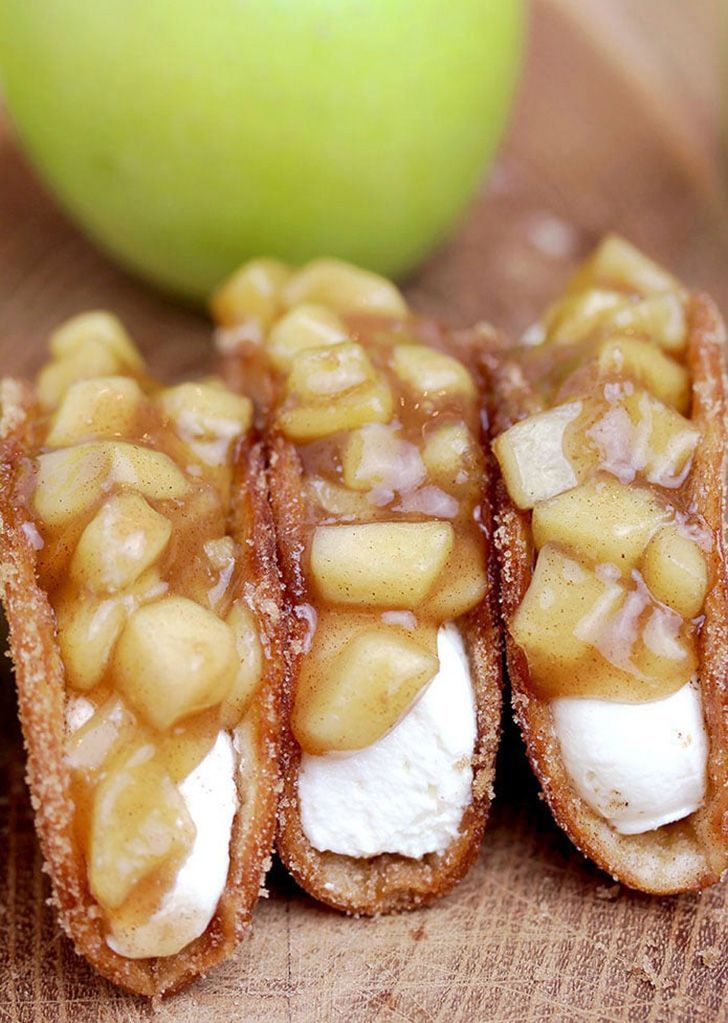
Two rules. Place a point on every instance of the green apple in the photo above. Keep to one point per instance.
(187, 136)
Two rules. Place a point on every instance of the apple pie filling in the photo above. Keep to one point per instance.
(610, 622)
(127, 493)
(385, 425)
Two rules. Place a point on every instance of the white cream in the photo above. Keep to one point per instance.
(186, 909)
(639, 765)
(210, 796)
(405, 793)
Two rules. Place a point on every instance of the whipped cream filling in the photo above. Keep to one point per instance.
(638, 765)
(186, 909)
(406, 793)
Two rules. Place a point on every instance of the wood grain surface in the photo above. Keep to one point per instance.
(615, 128)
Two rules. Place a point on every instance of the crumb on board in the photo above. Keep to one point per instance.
(647, 971)
(608, 892)
(708, 956)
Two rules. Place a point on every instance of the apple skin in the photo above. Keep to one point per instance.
(186, 137)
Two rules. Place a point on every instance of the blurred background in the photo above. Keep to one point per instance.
(614, 126)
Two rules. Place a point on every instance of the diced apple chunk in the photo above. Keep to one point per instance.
(148, 587)
(601, 521)
(446, 452)
(139, 821)
(670, 439)
(152, 473)
(303, 328)
(645, 364)
(220, 552)
(431, 373)
(561, 596)
(69, 482)
(371, 403)
(58, 376)
(675, 570)
(208, 417)
(252, 293)
(112, 726)
(660, 318)
(96, 331)
(464, 582)
(362, 692)
(321, 374)
(344, 289)
(640, 434)
(532, 458)
(101, 408)
(249, 665)
(125, 537)
(667, 656)
(584, 633)
(337, 500)
(616, 263)
(385, 564)
(174, 659)
(573, 319)
(377, 456)
(87, 632)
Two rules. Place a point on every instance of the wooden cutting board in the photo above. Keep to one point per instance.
(614, 129)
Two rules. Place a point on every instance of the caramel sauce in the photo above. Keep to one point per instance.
(418, 479)
(592, 627)
(187, 510)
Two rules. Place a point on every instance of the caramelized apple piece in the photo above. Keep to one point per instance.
(447, 453)
(676, 572)
(647, 365)
(303, 328)
(87, 631)
(618, 264)
(321, 374)
(585, 633)
(152, 473)
(640, 434)
(112, 726)
(174, 659)
(670, 439)
(371, 403)
(208, 417)
(337, 500)
(125, 538)
(249, 665)
(386, 564)
(601, 521)
(464, 581)
(431, 373)
(70, 482)
(561, 596)
(139, 821)
(344, 289)
(376, 456)
(102, 408)
(101, 328)
(362, 693)
(532, 458)
(87, 346)
(575, 317)
(253, 293)
(660, 318)
(666, 656)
